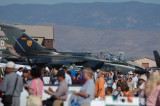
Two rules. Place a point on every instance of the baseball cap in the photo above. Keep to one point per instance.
(10, 64)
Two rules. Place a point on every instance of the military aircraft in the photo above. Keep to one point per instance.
(27, 47)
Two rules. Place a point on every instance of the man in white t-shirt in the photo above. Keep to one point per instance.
(67, 77)
(135, 79)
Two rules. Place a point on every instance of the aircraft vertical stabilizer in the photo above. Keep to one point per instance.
(157, 57)
(121, 56)
(22, 43)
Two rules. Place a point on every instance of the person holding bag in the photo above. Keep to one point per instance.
(60, 95)
(12, 86)
(35, 88)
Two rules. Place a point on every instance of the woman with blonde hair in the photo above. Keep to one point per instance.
(151, 90)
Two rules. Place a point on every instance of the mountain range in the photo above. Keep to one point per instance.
(132, 27)
(135, 43)
(127, 15)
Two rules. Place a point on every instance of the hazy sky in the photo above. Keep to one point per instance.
(6, 2)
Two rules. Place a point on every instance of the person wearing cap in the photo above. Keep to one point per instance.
(99, 86)
(60, 95)
(142, 80)
(122, 83)
(9, 82)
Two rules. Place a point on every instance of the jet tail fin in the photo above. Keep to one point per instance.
(22, 43)
(121, 56)
(157, 57)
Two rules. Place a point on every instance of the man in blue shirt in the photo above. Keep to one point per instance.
(73, 73)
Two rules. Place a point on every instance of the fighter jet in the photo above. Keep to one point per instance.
(27, 47)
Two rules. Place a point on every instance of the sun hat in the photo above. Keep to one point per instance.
(143, 77)
(130, 72)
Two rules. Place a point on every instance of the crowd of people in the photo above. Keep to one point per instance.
(95, 85)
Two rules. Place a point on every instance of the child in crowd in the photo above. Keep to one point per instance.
(108, 91)
(118, 92)
(127, 94)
